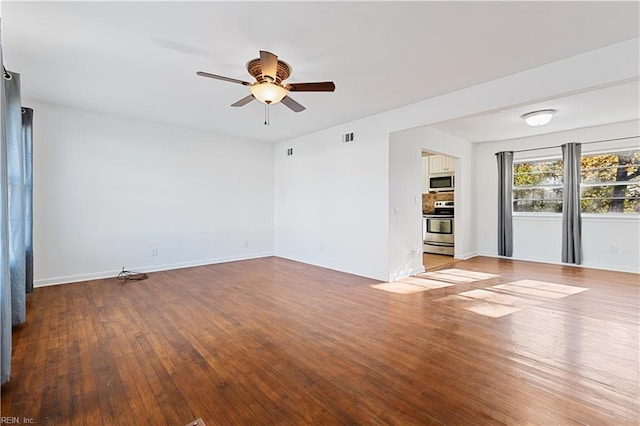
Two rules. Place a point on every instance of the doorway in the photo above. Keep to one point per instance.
(437, 168)
(435, 261)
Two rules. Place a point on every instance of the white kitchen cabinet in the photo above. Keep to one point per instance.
(440, 164)
(425, 174)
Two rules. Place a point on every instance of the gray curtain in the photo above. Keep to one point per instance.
(27, 140)
(16, 224)
(5, 276)
(505, 203)
(12, 138)
(571, 216)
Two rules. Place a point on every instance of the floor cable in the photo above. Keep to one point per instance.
(131, 276)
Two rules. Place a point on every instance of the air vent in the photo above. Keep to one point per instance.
(289, 151)
(347, 137)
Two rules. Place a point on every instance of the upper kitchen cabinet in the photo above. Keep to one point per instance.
(441, 164)
(425, 174)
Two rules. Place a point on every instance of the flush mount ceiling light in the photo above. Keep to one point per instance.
(538, 118)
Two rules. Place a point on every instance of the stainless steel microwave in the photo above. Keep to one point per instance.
(440, 183)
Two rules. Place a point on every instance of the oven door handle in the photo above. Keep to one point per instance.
(438, 244)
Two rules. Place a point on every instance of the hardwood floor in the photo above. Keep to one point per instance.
(272, 341)
(434, 261)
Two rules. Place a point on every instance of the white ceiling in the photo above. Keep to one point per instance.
(613, 104)
(139, 59)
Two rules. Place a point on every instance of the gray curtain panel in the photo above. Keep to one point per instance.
(16, 202)
(27, 140)
(15, 213)
(5, 276)
(571, 216)
(505, 203)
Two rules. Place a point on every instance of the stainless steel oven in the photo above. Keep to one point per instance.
(438, 230)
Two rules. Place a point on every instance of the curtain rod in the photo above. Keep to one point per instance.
(582, 143)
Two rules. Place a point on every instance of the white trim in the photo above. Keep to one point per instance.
(466, 256)
(112, 274)
(586, 217)
(537, 216)
(406, 273)
(587, 153)
(589, 266)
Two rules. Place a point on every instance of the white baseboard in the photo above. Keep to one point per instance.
(155, 268)
(406, 273)
(613, 268)
(466, 256)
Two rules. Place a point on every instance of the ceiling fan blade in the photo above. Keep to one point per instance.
(323, 86)
(243, 101)
(223, 78)
(292, 105)
(269, 64)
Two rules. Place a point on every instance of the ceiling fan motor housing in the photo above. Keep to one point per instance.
(255, 69)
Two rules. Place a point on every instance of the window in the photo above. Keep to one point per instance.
(610, 184)
(537, 186)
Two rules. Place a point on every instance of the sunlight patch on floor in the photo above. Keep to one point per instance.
(527, 285)
(425, 282)
(399, 287)
(504, 299)
(495, 297)
(432, 280)
(410, 285)
(458, 275)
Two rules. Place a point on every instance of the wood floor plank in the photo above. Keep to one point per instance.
(272, 341)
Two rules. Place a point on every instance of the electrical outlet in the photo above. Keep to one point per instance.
(613, 249)
(246, 244)
(154, 252)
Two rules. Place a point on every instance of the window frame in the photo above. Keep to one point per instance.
(551, 158)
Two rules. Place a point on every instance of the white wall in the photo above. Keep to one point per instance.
(108, 190)
(609, 242)
(337, 198)
(328, 209)
(405, 196)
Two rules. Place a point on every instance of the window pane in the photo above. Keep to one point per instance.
(538, 194)
(537, 186)
(611, 167)
(537, 173)
(538, 206)
(611, 198)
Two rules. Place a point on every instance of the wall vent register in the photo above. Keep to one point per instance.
(347, 137)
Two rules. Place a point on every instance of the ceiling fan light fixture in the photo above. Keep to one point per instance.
(268, 93)
(538, 118)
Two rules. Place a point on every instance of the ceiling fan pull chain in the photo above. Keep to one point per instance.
(266, 114)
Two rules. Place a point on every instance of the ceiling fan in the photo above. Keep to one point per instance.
(269, 87)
